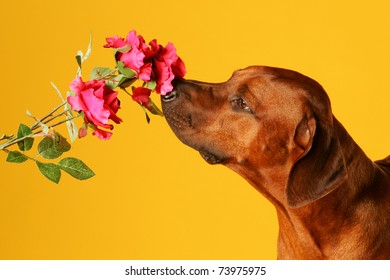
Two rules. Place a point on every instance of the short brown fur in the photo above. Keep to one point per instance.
(276, 129)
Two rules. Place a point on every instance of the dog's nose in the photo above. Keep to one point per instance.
(170, 96)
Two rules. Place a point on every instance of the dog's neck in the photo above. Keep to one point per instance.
(313, 231)
(318, 224)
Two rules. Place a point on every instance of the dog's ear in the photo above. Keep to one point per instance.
(320, 169)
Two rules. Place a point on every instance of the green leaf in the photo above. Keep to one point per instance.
(16, 157)
(76, 168)
(154, 109)
(60, 143)
(127, 72)
(99, 73)
(28, 113)
(89, 49)
(45, 128)
(50, 171)
(58, 91)
(72, 130)
(151, 85)
(26, 143)
(124, 49)
(47, 149)
(147, 117)
(115, 81)
(79, 58)
(71, 125)
(146, 113)
(127, 83)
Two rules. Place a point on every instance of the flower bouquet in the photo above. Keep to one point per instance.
(96, 102)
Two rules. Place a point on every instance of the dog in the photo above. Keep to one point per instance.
(275, 128)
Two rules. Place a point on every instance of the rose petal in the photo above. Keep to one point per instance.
(76, 103)
(115, 42)
(95, 107)
(141, 95)
(155, 47)
(133, 59)
(169, 54)
(178, 68)
(145, 72)
(102, 134)
(77, 85)
(132, 39)
(164, 78)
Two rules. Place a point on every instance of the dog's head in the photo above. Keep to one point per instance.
(271, 125)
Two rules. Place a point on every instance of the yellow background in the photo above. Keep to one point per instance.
(152, 197)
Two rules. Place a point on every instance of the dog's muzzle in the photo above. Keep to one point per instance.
(178, 110)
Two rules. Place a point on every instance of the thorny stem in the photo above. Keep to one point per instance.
(3, 137)
(55, 116)
(36, 124)
(14, 140)
(63, 121)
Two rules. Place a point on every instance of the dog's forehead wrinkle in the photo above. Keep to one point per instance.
(280, 101)
(253, 71)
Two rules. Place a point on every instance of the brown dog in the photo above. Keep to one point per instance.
(275, 128)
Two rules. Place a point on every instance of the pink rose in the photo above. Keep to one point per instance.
(167, 66)
(150, 63)
(134, 58)
(98, 103)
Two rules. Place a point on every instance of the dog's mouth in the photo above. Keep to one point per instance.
(210, 158)
(177, 118)
(182, 124)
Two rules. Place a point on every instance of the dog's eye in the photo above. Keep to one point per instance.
(239, 103)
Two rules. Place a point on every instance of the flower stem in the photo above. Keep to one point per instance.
(63, 121)
(58, 115)
(36, 124)
(125, 90)
(4, 137)
(15, 140)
